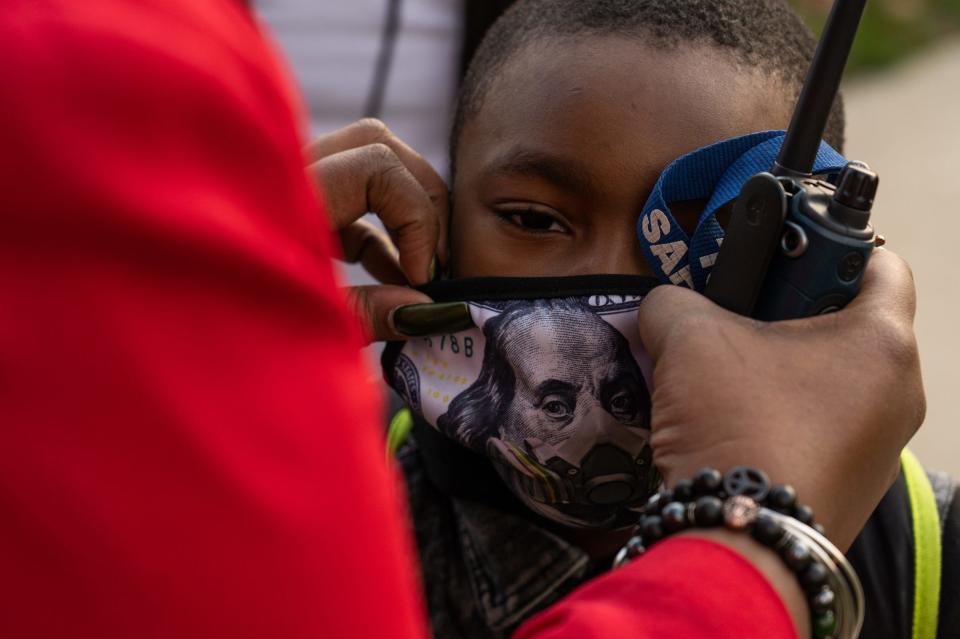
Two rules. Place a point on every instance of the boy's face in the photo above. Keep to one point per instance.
(554, 169)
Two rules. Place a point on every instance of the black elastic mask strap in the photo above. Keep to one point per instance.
(520, 288)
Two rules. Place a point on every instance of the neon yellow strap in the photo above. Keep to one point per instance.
(926, 544)
(399, 430)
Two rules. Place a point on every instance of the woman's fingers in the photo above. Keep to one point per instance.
(372, 178)
(366, 244)
(825, 403)
(370, 131)
(365, 168)
(374, 306)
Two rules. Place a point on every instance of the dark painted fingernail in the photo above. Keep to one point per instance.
(417, 320)
(434, 269)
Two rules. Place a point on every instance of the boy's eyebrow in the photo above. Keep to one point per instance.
(567, 174)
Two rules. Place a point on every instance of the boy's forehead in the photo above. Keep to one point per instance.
(620, 101)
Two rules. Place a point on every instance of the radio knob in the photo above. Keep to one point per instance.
(853, 198)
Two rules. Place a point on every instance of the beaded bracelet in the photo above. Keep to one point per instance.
(744, 500)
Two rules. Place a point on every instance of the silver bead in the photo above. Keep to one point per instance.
(739, 512)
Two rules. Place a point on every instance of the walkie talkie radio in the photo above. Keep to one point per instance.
(796, 245)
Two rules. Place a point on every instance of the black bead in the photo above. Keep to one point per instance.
(708, 511)
(823, 600)
(813, 578)
(674, 517)
(803, 514)
(767, 530)
(666, 496)
(797, 556)
(653, 505)
(707, 481)
(651, 528)
(782, 498)
(635, 547)
(683, 490)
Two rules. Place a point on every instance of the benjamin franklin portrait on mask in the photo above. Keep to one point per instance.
(559, 396)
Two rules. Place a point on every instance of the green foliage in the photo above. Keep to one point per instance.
(949, 10)
(887, 36)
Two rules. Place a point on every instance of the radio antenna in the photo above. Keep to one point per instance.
(809, 119)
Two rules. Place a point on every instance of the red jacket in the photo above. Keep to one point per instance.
(189, 444)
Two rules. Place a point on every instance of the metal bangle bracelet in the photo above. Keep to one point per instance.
(842, 578)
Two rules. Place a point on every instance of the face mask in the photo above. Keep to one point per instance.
(551, 384)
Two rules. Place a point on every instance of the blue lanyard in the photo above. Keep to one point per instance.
(717, 173)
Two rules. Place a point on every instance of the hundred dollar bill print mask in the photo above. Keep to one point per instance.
(551, 384)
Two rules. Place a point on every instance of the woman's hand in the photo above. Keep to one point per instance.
(366, 168)
(824, 403)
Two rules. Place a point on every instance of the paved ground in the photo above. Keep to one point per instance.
(905, 123)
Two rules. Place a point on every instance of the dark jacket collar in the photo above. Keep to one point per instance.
(514, 566)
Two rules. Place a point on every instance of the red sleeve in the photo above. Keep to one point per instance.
(189, 442)
(684, 588)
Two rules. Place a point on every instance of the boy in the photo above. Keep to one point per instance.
(569, 113)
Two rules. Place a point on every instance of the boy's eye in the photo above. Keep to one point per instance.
(531, 220)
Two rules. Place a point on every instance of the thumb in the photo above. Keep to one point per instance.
(374, 305)
(667, 312)
(888, 287)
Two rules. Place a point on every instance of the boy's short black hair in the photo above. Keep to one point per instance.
(759, 34)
